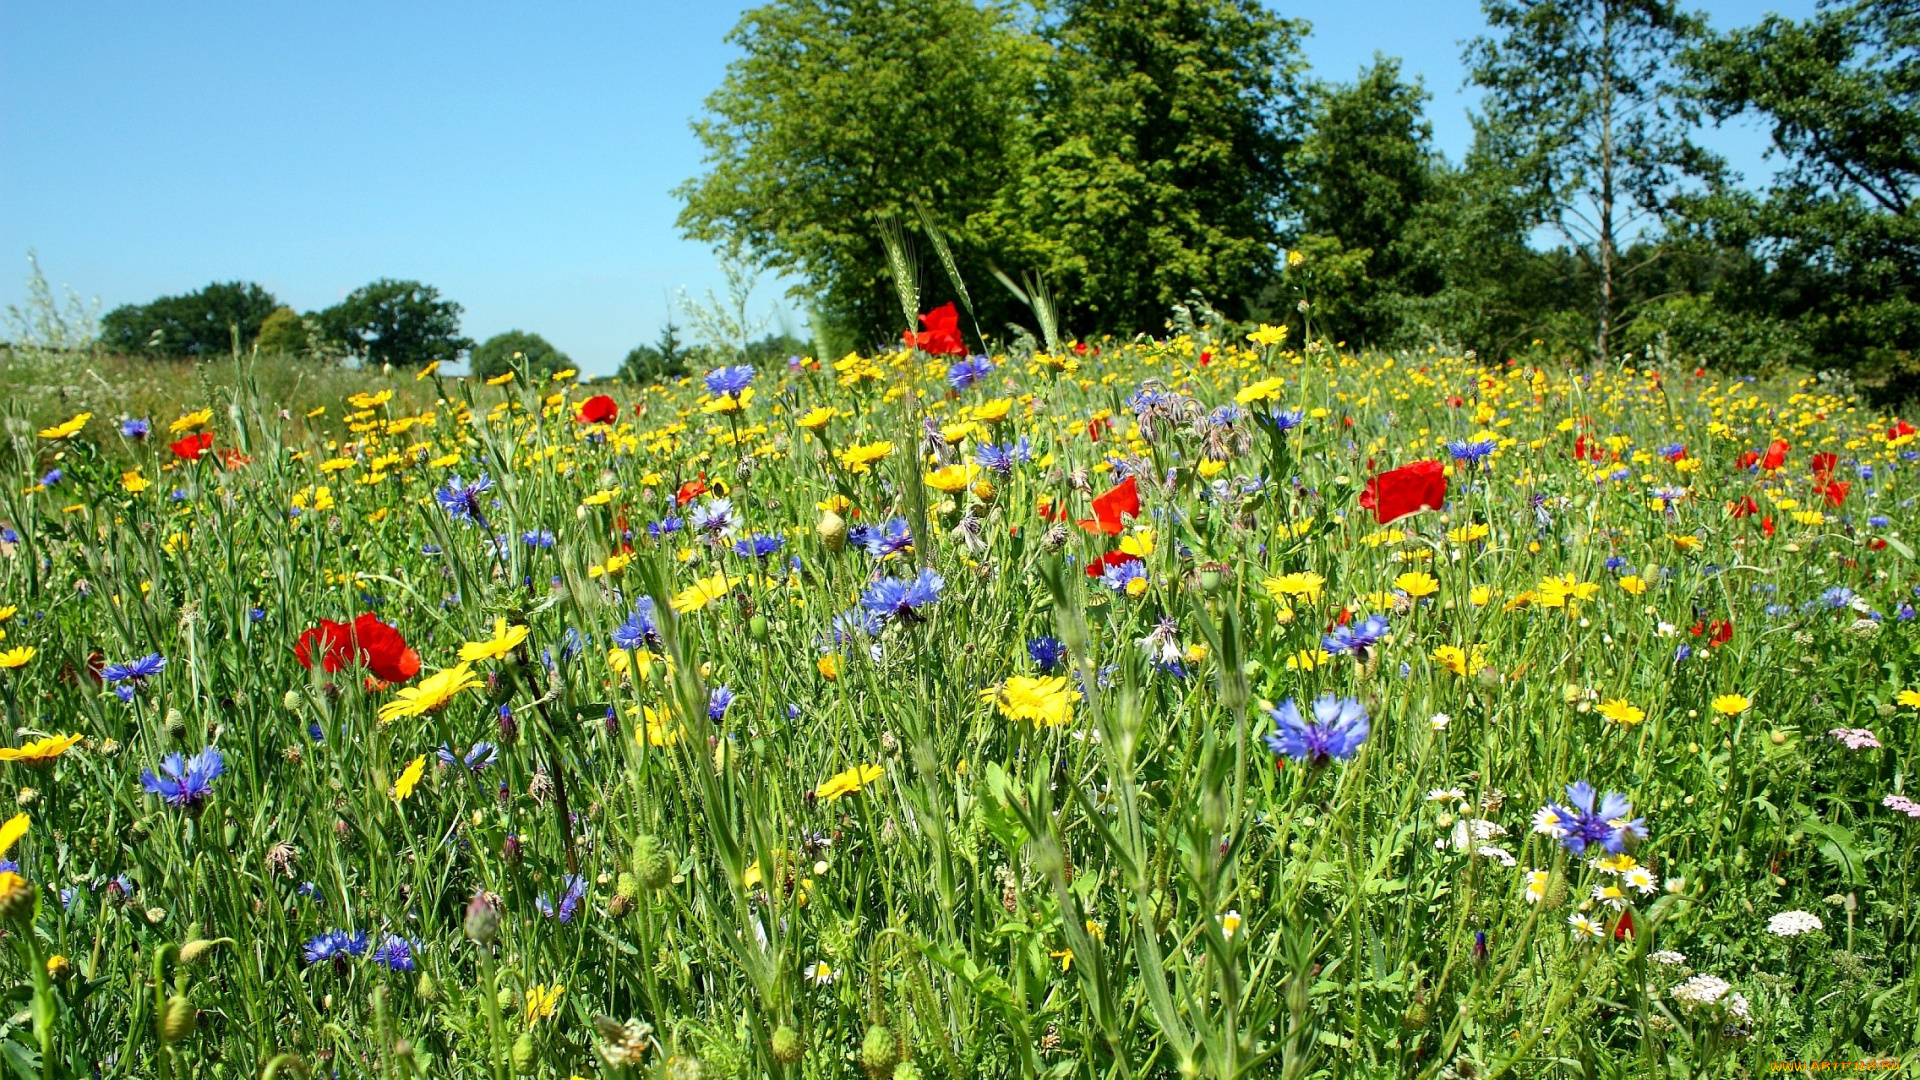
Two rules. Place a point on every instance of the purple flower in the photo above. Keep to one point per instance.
(881, 541)
(1046, 652)
(185, 783)
(1338, 728)
(715, 518)
(1355, 638)
(896, 598)
(729, 381)
(395, 953)
(1471, 452)
(965, 373)
(1579, 824)
(758, 546)
(569, 901)
(336, 945)
(1002, 459)
(640, 628)
(719, 700)
(1119, 577)
(477, 759)
(135, 671)
(462, 500)
(665, 525)
(135, 429)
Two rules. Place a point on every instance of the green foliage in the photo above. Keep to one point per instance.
(838, 112)
(214, 320)
(663, 361)
(403, 323)
(516, 350)
(283, 332)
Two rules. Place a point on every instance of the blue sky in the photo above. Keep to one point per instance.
(518, 156)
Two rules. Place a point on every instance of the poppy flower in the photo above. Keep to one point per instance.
(942, 335)
(1623, 928)
(1745, 508)
(1717, 632)
(1747, 459)
(189, 448)
(691, 490)
(1776, 455)
(376, 646)
(1766, 526)
(598, 409)
(1835, 492)
(1099, 566)
(1901, 429)
(1123, 500)
(1408, 489)
(1823, 464)
(231, 458)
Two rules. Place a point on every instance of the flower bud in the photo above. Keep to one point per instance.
(787, 1045)
(652, 868)
(525, 1054)
(179, 1021)
(59, 968)
(832, 531)
(483, 920)
(16, 897)
(879, 1052)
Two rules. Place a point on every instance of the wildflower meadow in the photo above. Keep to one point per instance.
(1198, 707)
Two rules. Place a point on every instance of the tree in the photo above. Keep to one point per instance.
(516, 350)
(403, 323)
(1581, 109)
(199, 323)
(1160, 158)
(1838, 229)
(1366, 169)
(841, 110)
(283, 332)
(664, 360)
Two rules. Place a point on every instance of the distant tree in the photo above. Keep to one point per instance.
(1581, 110)
(1159, 160)
(516, 349)
(403, 323)
(664, 360)
(837, 111)
(283, 332)
(199, 323)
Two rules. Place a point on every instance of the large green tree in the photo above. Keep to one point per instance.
(1837, 230)
(403, 323)
(841, 110)
(516, 350)
(1160, 158)
(1581, 111)
(200, 323)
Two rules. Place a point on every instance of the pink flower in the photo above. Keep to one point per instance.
(1903, 804)
(1855, 738)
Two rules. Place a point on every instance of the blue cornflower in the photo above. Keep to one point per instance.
(1121, 577)
(539, 538)
(1281, 419)
(1046, 652)
(1355, 638)
(185, 782)
(1338, 728)
(1472, 451)
(883, 540)
(965, 373)
(715, 518)
(719, 700)
(729, 381)
(462, 500)
(135, 429)
(395, 953)
(52, 477)
(758, 546)
(896, 598)
(569, 901)
(477, 759)
(856, 621)
(664, 526)
(1002, 459)
(640, 628)
(1579, 824)
(1879, 521)
(1779, 611)
(1615, 562)
(337, 945)
(1837, 597)
(135, 671)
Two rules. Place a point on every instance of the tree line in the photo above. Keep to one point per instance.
(1130, 153)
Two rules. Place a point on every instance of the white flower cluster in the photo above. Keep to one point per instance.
(1670, 957)
(1793, 923)
(1706, 991)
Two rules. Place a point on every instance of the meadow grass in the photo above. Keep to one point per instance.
(774, 725)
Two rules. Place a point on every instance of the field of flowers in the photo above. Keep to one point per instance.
(1198, 707)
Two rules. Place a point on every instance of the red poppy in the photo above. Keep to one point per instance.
(691, 490)
(1823, 464)
(1112, 558)
(1623, 928)
(598, 409)
(1206, 358)
(1123, 500)
(1048, 511)
(1876, 544)
(942, 335)
(1717, 632)
(1746, 507)
(375, 645)
(191, 447)
(1408, 489)
(231, 458)
(1900, 428)
(1835, 492)
(1766, 526)
(1776, 455)
(1678, 453)
(1098, 425)
(1747, 459)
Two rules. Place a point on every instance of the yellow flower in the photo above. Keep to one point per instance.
(1138, 543)
(729, 403)
(953, 478)
(1461, 661)
(1480, 595)
(829, 666)
(505, 639)
(1046, 701)
(702, 592)
(1417, 584)
(1268, 335)
(1556, 591)
(68, 429)
(14, 658)
(542, 1000)
(1909, 698)
(337, 464)
(1536, 886)
(40, 751)
(193, 421)
(501, 379)
(409, 778)
(817, 418)
(1467, 534)
(1305, 585)
(426, 372)
(861, 459)
(660, 729)
(1264, 390)
(847, 783)
(432, 692)
(10, 833)
(992, 412)
(1633, 583)
(1621, 712)
(1308, 659)
(1732, 704)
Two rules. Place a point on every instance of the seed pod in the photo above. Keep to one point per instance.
(906, 1070)
(628, 886)
(757, 627)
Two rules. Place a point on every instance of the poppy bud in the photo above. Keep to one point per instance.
(291, 701)
(426, 989)
(787, 1045)
(179, 1021)
(176, 724)
(832, 531)
(906, 1070)
(525, 1055)
(1210, 582)
(652, 868)
(879, 1052)
(757, 627)
(619, 906)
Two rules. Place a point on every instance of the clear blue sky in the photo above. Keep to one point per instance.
(518, 156)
